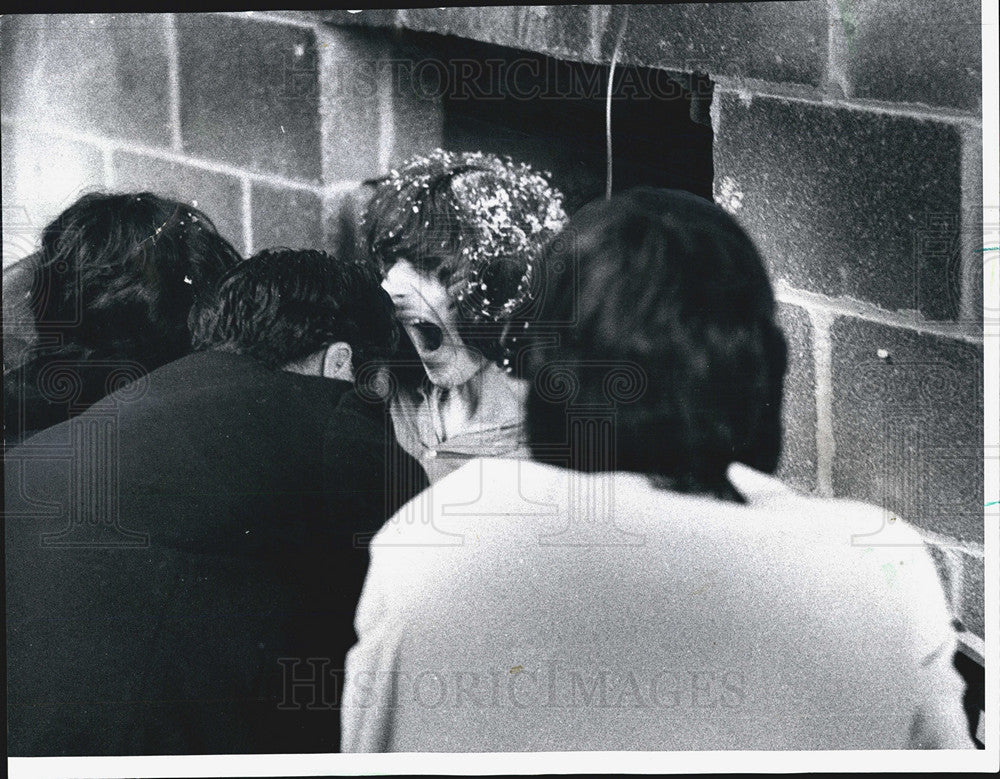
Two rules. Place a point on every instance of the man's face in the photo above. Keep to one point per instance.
(427, 313)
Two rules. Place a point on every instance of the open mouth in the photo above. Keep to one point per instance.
(428, 336)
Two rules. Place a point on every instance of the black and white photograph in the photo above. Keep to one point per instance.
(526, 389)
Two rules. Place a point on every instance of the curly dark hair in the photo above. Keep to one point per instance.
(673, 325)
(118, 275)
(477, 222)
(282, 305)
(114, 283)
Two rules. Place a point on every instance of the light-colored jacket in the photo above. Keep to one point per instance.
(516, 606)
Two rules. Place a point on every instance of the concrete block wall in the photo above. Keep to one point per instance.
(847, 139)
(222, 109)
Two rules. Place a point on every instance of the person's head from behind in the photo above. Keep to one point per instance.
(118, 276)
(301, 310)
(457, 235)
(671, 290)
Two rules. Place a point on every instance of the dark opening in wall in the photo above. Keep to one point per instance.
(552, 114)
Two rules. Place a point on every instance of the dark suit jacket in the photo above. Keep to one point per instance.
(54, 385)
(183, 562)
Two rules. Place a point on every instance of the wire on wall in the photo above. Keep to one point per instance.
(607, 112)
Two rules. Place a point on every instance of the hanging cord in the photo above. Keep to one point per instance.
(607, 112)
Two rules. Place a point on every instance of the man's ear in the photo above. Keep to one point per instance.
(337, 361)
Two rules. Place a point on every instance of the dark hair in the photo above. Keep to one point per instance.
(433, 212)
(282, 305)
(672, 324)
(118, 276)
(346, 212)
(113, 288)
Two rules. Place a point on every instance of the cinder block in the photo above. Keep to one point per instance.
(417, 115)
(365, 17)
(100, 73)
(42, 176)
(250, 94)
(560, 31)
(285, 217)
(776, 41)
(342, 213)
(798, 456)
(846, 202)
(973, 596)
(908, 425)
(911, 52)
(354, 66)
(219, 196)
(885, 49)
